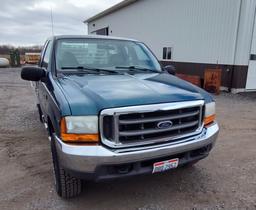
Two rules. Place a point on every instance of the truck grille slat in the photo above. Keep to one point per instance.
(151, 131)
(154, 119)
(151, 124)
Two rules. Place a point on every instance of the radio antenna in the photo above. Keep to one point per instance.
(52, 22)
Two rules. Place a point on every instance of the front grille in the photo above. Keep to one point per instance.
(151, 124)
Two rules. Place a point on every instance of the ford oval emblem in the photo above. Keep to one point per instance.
(164, 124)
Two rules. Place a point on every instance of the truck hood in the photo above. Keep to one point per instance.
(89, 94)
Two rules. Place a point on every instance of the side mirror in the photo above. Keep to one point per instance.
(32, 73)
(170, 69)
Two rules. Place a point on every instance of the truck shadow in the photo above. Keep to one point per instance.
(185, 181)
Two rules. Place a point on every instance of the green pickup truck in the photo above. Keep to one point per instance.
(111, 111)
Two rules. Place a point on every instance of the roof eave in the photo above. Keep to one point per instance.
(110, 10)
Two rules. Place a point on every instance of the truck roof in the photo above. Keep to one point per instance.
(91, 37)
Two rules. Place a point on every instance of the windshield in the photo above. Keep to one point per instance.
(104, 54)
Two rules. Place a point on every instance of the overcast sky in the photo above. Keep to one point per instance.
(28, 22)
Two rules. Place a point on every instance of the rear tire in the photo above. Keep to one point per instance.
(66, 185)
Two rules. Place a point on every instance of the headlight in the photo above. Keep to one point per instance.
(81, 125)
(209, 115)
(80, 129)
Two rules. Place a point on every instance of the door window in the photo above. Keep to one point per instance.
(47, 54)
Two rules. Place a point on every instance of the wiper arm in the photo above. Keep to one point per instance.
(98, 70)
(132, 68)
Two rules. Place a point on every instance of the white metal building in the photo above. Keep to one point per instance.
(190, 34)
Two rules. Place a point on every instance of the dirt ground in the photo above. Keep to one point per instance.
(225, 180)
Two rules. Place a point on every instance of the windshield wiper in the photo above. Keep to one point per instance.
(91, 70)
(135, 68)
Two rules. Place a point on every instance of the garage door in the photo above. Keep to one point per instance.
(251, 77)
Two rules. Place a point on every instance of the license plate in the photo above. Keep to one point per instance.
(165, 165)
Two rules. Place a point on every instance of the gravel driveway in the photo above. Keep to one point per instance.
(225, 180)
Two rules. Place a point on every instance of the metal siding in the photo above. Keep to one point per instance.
(200, 31)
(253, 45)
(245, 32)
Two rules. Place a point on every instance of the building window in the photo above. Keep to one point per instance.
(102, 31)
(167, 53)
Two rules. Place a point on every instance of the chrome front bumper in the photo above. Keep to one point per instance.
(85, 159)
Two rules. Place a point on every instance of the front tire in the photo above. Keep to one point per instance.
(40, 113)
(66, 185)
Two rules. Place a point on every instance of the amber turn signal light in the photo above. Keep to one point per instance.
(210, 119)
(77, 138)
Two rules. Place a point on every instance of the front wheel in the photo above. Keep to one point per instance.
(66, 185)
